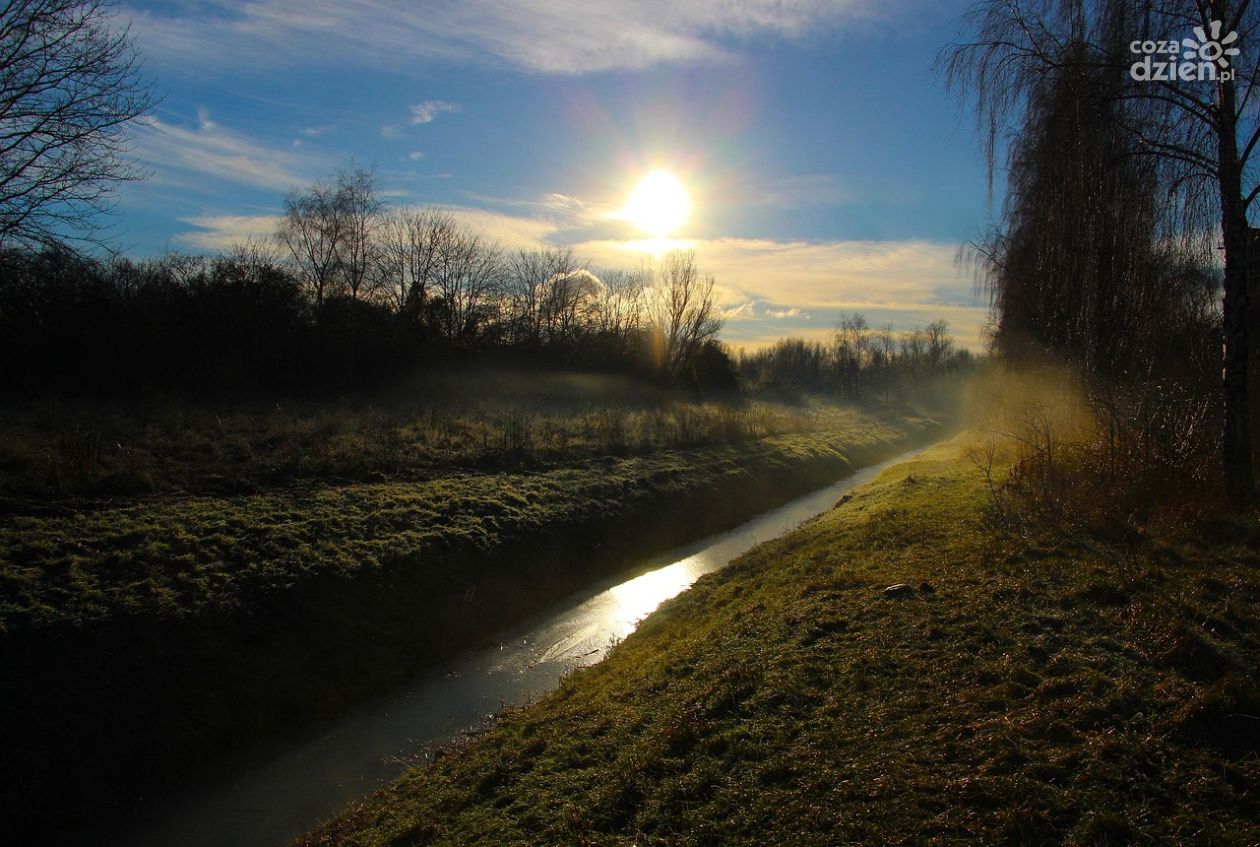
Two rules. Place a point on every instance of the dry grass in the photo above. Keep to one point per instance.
(1028, 690)
(141, 635)
(77, 452)
(1096, 458)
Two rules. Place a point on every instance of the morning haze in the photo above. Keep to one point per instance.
(667, 423)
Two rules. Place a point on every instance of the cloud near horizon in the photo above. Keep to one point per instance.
(766, 289)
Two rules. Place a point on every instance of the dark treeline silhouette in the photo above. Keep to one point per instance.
(857, 363)
(351, 295)
(242, 324)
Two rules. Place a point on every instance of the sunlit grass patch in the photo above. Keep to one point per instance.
(1026, 689)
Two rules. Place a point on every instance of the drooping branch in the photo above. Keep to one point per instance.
(70, 91)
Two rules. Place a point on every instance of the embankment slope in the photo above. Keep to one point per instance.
(139, 640)
(1024, 691)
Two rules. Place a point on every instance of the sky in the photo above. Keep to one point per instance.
(828, 170)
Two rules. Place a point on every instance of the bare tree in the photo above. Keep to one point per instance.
(332, 232)
(70, 89)
(682, 312)
(311, 231)
(1203, 128)
(529, 276)
(620, 314)
(183, 269)
(468, 275)
(850, 353)
(939, 344)
(250, 261)
(360, 211)
(570, 303)
(411, 240)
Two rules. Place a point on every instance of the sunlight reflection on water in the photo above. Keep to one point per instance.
(638, 598)
(271, 796)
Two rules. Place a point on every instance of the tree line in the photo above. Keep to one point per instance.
(342, 240)
(350, 293)
(856, 363)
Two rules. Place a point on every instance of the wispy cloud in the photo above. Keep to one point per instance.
(427, 112)
(830, 274)
(545, 36)
(421, 113)
(759, 309)
(184, 155)
(510, 231)
(219, 233)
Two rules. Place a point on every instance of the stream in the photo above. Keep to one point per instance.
(272, 795)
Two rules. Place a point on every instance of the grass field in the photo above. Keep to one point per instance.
(1024, 689)
(141, 634)
(77, 454)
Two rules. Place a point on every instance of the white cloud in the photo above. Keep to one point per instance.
(758, 309)
(544, 36)
(816, 275)
(827, 274)
(218, 233)
(427, 112)
(415, 155)
(184, 156)
(562, 215)
(766, 289)
(564, 203)
(510, 231)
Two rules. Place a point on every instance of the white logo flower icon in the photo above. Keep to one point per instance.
(1213, 48)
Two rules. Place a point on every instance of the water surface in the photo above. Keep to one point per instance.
(271, 796)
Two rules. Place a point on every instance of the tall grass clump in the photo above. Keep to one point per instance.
(1096, 456)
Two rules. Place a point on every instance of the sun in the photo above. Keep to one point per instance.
(658, 205)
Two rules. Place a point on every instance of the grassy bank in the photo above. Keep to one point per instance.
(76, 454)
(1023, 690)
(136, 639)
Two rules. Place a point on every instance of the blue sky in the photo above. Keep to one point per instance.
(828, 169)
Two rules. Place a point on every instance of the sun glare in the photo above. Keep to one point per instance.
(658, 205)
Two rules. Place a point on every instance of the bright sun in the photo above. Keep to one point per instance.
(658, 205)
